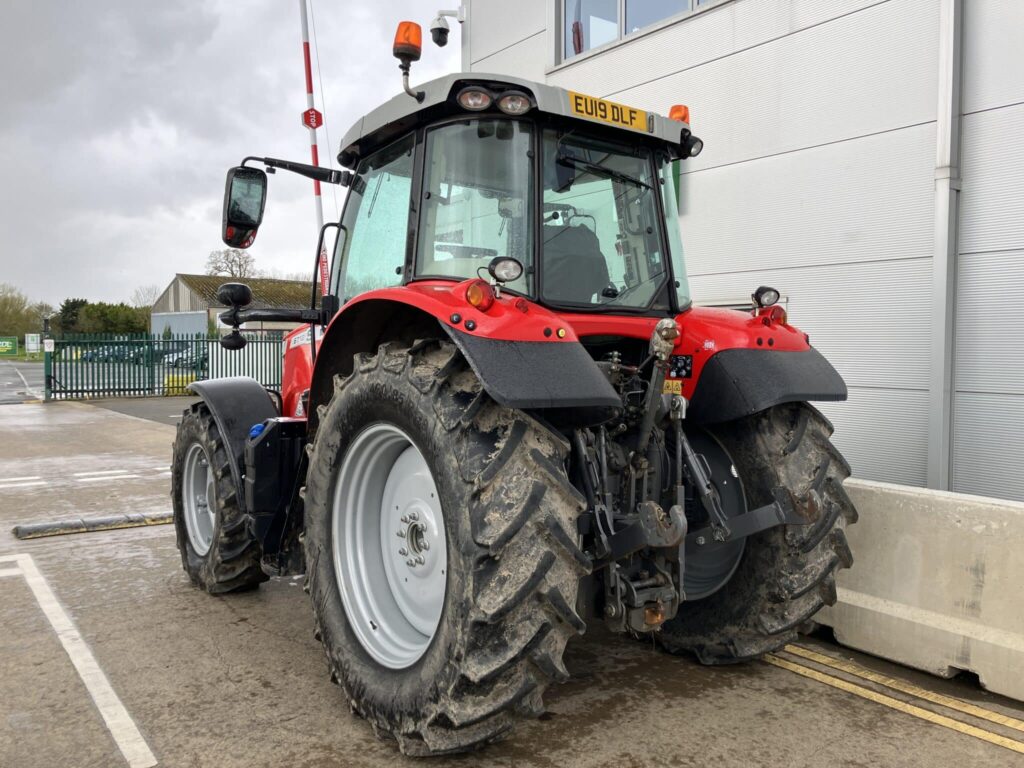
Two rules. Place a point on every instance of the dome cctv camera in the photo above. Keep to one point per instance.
(439, 31)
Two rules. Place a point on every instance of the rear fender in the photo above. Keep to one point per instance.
(524, 355)
(236, 404)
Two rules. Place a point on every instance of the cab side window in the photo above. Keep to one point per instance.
(371, 245)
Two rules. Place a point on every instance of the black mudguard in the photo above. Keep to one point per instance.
(236, 403)
(537, 374)
(740, 382)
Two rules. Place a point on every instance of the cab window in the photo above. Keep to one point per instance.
(370, 250)
(477, 191)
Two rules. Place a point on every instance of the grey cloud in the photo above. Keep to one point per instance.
(119, 119)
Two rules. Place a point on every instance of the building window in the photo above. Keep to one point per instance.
(590, 23)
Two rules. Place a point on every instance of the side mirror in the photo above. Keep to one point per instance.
(234, 295)
(233, 341)
(245, 194)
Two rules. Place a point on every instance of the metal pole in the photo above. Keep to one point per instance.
(312, 142)
(944, 256)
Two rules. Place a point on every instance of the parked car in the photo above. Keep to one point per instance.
(108, 353)
(157, 352)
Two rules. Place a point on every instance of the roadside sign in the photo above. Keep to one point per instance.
(48, 345)
(32, 343)
(312, 118)
(8, 346)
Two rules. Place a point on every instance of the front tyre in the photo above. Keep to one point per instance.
(441, 549)
(786, 574)
(218, 550)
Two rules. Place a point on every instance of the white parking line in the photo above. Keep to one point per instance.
(10, 572)
(105, 477)
(120, 724)
(100, 472)
(28, 389)
(16, 479)
(4, 486)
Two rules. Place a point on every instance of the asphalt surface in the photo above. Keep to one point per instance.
(147, 670)
(162, 410)
(20, 381)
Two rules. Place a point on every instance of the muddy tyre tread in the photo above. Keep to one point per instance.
(233, 562)
(522, 538)
(788, 573)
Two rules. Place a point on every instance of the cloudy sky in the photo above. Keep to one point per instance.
(119, 118)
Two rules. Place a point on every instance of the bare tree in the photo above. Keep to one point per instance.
(231, 262)
(145, 295)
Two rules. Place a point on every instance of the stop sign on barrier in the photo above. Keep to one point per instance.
(312, 118)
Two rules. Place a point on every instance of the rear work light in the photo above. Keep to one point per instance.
(474, 99)
(480, 295)
(514, 103)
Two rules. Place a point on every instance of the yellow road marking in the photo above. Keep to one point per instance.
(901, 706)
(935, 698)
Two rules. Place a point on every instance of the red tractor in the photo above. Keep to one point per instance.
(506, 421)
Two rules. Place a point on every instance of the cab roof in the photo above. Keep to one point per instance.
(402, 113)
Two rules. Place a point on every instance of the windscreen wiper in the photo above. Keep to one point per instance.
(601, 171)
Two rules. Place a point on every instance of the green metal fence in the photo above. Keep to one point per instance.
(95, 365)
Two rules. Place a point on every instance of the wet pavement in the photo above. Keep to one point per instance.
(195, 680)
(20, 381)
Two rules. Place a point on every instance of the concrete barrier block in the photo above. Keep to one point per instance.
(937, 583)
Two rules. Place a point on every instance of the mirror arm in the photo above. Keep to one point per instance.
(315, 172)
(236, 316)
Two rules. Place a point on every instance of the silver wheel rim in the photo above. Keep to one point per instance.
(389, 545)
(199, 499)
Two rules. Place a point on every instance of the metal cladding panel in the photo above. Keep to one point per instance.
(871, 320)
(865, 199)
(497, 25)
(865, 72)
(993, 69)
(992, 196)
(883, 433)
(525, 59)
(989, 355)
(988, 450)
(697, 39)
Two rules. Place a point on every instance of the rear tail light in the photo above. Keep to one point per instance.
(773, 314)
(480, 295)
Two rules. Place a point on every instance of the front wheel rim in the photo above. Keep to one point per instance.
(198, 499)
(389, 545)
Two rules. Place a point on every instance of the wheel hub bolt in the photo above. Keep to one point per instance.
(403, 551)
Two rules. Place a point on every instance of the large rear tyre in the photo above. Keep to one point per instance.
(787, 573)
(442, 646)
(218, 551)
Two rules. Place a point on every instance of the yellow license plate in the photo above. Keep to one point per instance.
(592, 108)
(672, 387)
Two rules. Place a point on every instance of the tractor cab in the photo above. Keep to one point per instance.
(554, 196)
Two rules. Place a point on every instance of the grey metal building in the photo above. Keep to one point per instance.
(863, 156)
